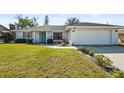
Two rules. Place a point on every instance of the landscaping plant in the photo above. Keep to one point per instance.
(87, 51)
(49, 41)
(20, 40)
(63, 44)
(106, 64)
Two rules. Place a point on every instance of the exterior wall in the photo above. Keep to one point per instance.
(50, 35)
(46, 36)
(40, 39)
(1, 39)
(35, 37)
(66, 36)
(19, 35)
(69, 37)
(0, 34)
(114, 37)
(78, 36)
(63, 35)
(92, 37)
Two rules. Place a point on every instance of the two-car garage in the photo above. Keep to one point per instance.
(93, 36)
(96, 37)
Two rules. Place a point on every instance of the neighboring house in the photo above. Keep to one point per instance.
(3, 30)
(121, 35)
(84, 33)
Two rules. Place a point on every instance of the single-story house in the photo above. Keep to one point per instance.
(3, 30)
(84, 33)
(121, 35)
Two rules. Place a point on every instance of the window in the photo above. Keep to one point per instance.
(27, 35)
(30, 35)
(24, 35)
(57, 36)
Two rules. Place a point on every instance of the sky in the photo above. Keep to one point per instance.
(60, 19)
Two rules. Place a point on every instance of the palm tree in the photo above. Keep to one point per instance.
(72, 21)
(46, 22)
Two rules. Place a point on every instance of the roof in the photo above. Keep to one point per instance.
(121, 31)
(94, 24)
(3, 29)
(91, 25)
(45, 28)
(61, 28)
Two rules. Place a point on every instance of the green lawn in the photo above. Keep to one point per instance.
(121, 44)
(22, 60)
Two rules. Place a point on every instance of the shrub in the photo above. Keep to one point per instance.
(103, 61)
(7, 37)
(118, 74)
(20, 40)
(12, 42)
(59, 42)
(91, 54)
(85, 50)
(49, 41)
(63, 44)
(30, 41)
(106, 64)
(88, 51)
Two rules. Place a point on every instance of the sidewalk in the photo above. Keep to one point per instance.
(64, 47)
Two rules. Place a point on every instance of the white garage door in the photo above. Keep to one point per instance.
(92, 37)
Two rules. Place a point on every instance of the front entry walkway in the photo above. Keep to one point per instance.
(64, 47)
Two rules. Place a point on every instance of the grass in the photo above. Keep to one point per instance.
(22, 60)
(121, 44)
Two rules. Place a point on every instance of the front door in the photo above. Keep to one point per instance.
(43, 37)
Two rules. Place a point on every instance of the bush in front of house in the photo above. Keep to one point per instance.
(91, 54)
(103, 61)
(49, 41)
(20, 41)
(106, 64)
(87, 51)
(62, 44)
(30, 40)
(7, 37)
(118, 74)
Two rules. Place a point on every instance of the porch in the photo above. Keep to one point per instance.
(39, 37)
(43, 36)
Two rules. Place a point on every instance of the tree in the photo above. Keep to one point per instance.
(11, 26)
(46, 22)
(72, 21)
(34, 22)
(7, 37)
(25, 22)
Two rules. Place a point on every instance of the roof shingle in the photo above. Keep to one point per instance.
(93, 24)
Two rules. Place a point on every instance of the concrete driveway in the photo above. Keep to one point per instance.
(114, 53)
